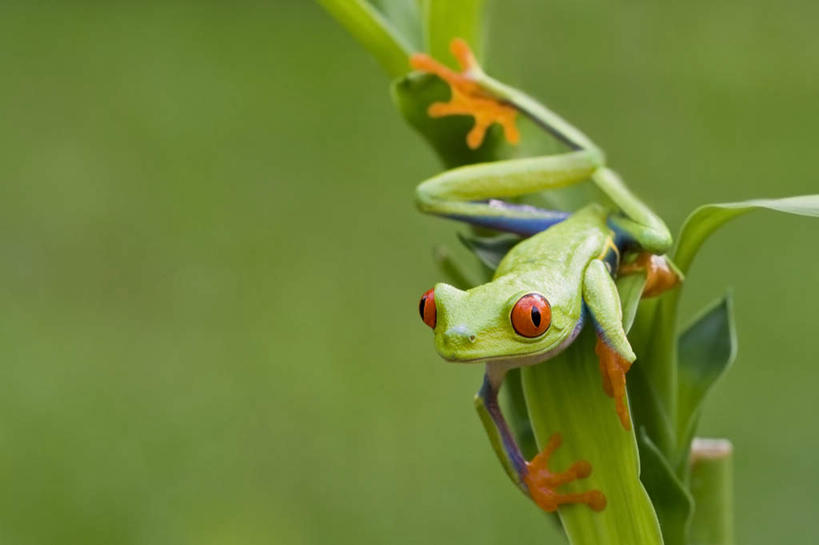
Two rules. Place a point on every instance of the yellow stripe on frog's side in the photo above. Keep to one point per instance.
(610, 255)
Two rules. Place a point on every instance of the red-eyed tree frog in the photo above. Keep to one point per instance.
(549, 285)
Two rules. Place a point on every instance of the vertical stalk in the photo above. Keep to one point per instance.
(712, 488)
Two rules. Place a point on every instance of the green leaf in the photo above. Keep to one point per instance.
(565, 395)
(374, 32)
(705, 351)
(630, 288)
(707, 219)
(405, 16)
(414, 94)
(490, 250)
(448, 19)
(659, 325)
(672, 501)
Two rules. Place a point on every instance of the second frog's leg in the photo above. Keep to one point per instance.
(534, 478)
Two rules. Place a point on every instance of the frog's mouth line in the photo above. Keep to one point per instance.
(529, 358)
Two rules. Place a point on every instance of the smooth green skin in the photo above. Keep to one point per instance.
(474, 325)
(563, 263)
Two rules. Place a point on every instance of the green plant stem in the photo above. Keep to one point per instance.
(712, 488)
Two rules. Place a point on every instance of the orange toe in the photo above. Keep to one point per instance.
(660, 277)
(542, 483)
(613, 369)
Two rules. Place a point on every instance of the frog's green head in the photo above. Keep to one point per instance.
(498, 321)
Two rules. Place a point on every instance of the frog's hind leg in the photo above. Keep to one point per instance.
(637, 225)
(520, 219)
(470, 193)
(501, 438)
(661, 273)
(534, 478)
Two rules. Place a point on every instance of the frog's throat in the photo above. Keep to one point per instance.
(530, 358)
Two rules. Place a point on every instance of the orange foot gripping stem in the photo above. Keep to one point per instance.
(468, 98)
(660, 276)
(542, 483)
(613, 369)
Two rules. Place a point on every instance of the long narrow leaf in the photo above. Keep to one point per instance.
(630, 288)
(705, 351)
(374, 32)
(448, 19)
(671, 500)
(659, 359)
(707, 219)
(405, 17)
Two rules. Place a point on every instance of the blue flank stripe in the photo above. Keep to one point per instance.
(520, 226)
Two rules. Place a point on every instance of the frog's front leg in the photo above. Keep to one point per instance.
(613, 349)
(534, 478)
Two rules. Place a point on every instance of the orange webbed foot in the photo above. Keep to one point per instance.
(468, 98)
(542, 483)
(613, 369)
(660, 276)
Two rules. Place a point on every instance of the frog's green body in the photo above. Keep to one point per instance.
(552, 263)
(549, 284)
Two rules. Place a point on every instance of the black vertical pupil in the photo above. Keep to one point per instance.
(535, 316)
(421, 306)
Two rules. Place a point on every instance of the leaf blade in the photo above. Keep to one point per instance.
(448, 19)
(706, 219)
(565, 395)
(405, 16)
(630, 288)
(705, 351)
(372, 30)
(672, 501)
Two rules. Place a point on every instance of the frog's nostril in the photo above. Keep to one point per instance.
(460, 334)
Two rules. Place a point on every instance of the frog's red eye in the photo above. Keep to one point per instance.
(427, 308)
(531, 315)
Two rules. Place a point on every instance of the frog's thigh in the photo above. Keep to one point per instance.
(603, 301)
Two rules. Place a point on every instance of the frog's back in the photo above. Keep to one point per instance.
(564, 249)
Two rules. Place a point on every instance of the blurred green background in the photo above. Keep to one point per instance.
(211, 265)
